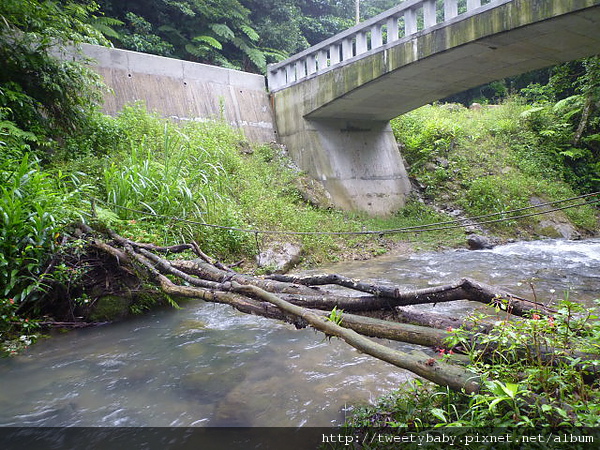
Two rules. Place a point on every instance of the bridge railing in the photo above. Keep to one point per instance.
(401, 22)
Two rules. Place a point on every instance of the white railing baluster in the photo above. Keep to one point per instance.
(290, 73)
(300, 69)
(472, 4)
(322, 59)
(376, 36)
(410, 22)
(429, 13)
(392, 29)
(334, 54)
(277, 78)
(450, 9)
(399, 22)
(311, 64)
(347, 49)
(361, 43)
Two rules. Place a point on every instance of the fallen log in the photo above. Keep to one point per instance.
(304, 301)
(465, 289)
(439, 372)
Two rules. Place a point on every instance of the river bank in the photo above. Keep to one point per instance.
(208, 365)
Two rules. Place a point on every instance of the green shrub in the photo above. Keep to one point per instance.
(34, 206)
(427, 133)
(499, 157)
(523, 385)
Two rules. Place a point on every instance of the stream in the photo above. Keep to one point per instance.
(209, 365)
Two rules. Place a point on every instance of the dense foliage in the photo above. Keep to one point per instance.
(43, 101)
(499, 158)
(43, 98)
(58, 153)
(242, 34)
(524, 385)
(139, 174)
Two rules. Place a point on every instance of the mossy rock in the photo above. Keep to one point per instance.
(110, 308)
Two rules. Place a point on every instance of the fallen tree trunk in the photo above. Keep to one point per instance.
(388, 297)
(303, 301)
(439, 372)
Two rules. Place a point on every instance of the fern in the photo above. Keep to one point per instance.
(211, 41)
(105, 26)
(256, 56)
(184, 7)
(172, 31)
(222, 30)
(274, 54)
(220, 60)
(197, 51)
(251, 33)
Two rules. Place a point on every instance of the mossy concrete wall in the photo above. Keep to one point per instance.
(335, 125)
(185, 90)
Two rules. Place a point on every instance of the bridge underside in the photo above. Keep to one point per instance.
(336, 124)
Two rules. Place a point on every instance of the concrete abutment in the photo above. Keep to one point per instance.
(334, 119)
(357, 162)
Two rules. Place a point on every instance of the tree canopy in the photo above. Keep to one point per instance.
(241, 34)
(42, 96)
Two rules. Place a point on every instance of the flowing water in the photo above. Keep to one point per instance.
(208, 365)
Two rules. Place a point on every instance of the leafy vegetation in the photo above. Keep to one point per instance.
(157, 181)
(34, 207)
(241, 34)
(61, 160)
(526, 383)
(158, 173)
(495, 159)
(43, 98)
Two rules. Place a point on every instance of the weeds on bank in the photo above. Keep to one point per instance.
(494, 159)
(33, 208)
(137, 174)
(541, 372)
(207, 173)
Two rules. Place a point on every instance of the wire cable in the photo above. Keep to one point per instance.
(436, 226)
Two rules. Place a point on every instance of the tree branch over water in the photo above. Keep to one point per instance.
(305, 301)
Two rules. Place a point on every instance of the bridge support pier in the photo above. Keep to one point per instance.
(357, 162)
(332, 101)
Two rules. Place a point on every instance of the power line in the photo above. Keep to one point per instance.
(437, 226)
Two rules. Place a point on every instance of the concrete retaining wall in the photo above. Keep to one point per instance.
(185, 90)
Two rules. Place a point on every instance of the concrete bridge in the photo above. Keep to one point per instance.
(333, 102)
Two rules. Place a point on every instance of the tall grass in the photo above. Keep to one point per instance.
(173, 181)
(205, 172)
(32, 211)
(34, 208)
(165, 171)
(489, 160)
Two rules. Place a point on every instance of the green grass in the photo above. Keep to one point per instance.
(204, 173)
(490, 160)
(161, 182)
(34, 207)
